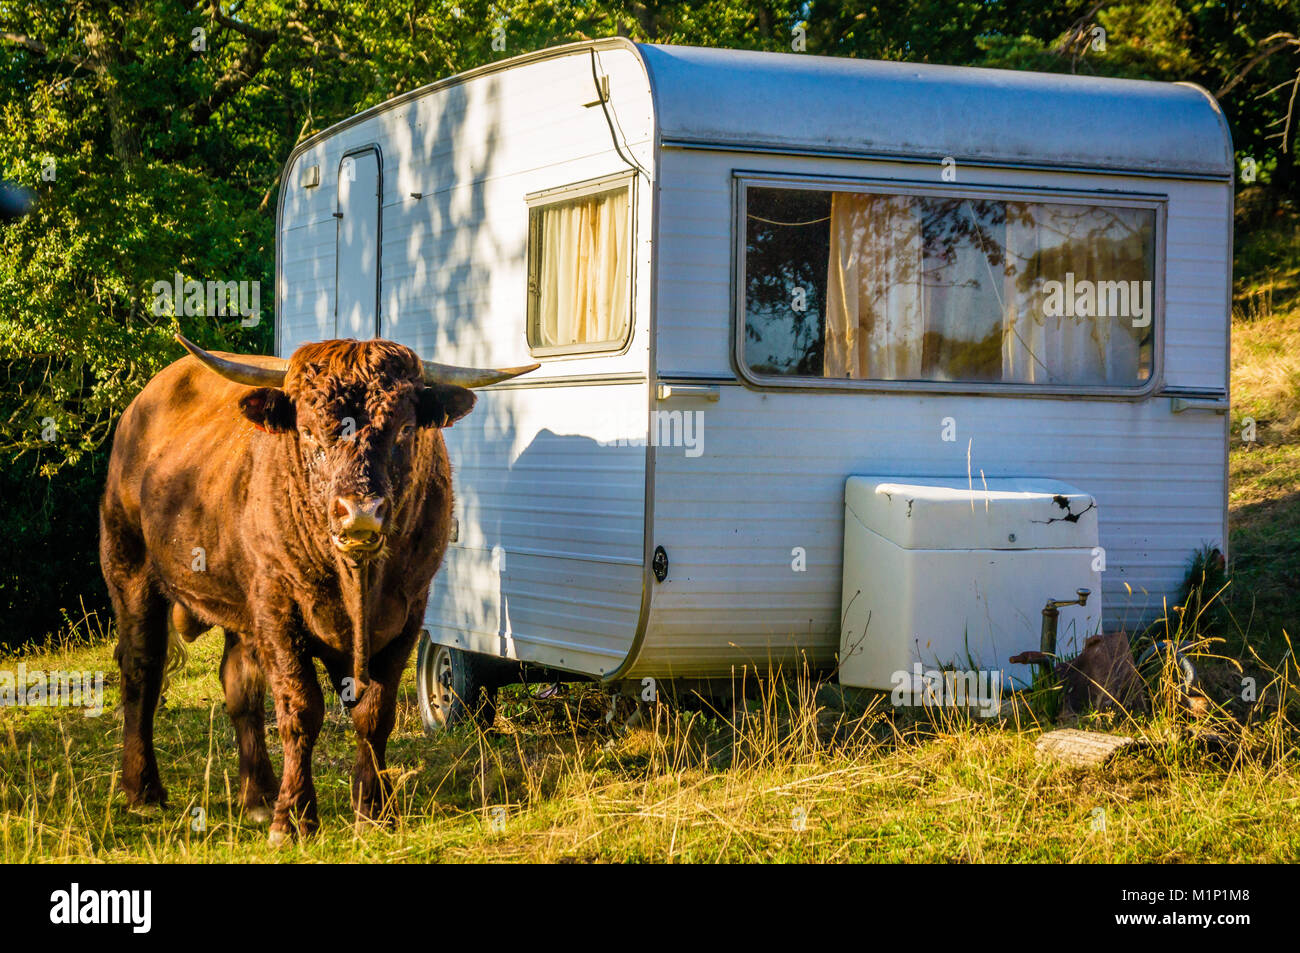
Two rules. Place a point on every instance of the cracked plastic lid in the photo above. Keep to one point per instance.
(951, 513)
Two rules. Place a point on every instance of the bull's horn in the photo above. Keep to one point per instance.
(254, 375)
(471, 376)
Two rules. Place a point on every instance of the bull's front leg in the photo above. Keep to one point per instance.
(299, 712)
(373, 717)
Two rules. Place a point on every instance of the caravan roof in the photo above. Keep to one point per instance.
(798, 102)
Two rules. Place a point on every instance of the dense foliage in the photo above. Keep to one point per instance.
(154, 131)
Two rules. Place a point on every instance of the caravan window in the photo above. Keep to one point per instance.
(971, 290)
(579, 270)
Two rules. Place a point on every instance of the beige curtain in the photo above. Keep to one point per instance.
(1045, 243)
(887, 320)
(874, 322)
(582, 281)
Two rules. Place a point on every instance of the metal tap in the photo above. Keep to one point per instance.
(1052, 614)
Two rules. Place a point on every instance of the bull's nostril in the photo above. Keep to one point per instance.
(370, 511)
(360, 520)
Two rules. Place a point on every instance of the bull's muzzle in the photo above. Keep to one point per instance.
(360, 523)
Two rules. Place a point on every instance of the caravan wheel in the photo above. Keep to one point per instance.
(453, 687)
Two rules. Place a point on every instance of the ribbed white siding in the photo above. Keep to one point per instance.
(548, 566)
(771, 477)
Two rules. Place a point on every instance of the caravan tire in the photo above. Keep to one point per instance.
(454, 687)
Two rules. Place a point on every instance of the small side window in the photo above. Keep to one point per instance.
(580, 271)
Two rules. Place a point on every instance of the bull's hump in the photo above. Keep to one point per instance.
(189, 379)
(186, 403)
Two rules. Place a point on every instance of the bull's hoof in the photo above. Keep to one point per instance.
(285, 832)
(145, 808)
(378, 810)
(372, 802)
(258, 814)
(377, 820)
(148, 791)
(148, 800)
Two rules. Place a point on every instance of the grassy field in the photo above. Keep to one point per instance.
(794, 776)
(1264, 491)
(1264, 495)
(792, 779)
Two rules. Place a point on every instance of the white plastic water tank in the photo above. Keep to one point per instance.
(948, 575)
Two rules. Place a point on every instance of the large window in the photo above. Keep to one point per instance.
(579, 270)
(881, 286)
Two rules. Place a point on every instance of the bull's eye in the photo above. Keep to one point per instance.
(405, 432)
(313, 447)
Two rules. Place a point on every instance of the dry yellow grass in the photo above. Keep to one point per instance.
(1264, 479)
(791, 777)
(1266, 373)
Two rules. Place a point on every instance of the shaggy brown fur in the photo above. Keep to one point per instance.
(220, 510)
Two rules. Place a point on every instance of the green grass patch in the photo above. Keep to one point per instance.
(793, 779)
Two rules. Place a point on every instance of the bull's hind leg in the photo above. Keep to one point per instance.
(141, 655)
(373, 717)
(245, 688)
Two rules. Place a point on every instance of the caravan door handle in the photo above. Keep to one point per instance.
(688, 391)
(1180, 405)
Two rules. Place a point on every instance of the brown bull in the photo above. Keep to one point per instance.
(303, 506)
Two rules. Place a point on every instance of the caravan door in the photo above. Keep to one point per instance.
(356, 276)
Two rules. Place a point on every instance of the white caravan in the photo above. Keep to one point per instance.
(979, 318)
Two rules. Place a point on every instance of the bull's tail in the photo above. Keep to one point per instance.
(182, 628)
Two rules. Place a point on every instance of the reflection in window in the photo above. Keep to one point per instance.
(873, 286)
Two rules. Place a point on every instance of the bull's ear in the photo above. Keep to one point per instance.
(441, 405)
(270, 409)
